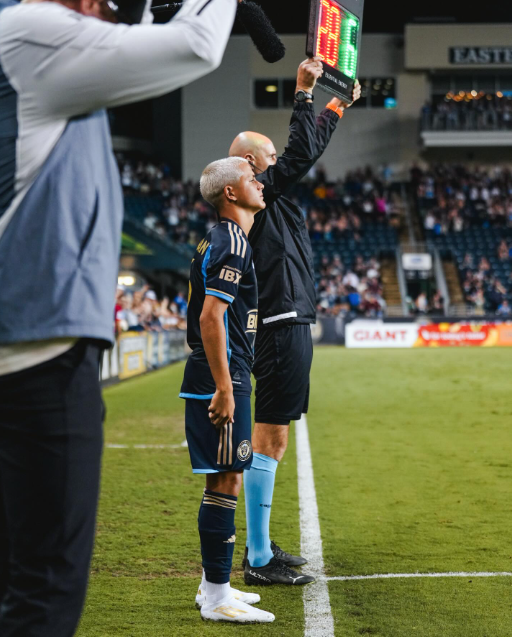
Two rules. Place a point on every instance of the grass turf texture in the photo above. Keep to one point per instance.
(412, 456)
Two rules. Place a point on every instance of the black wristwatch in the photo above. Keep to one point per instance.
(302, 96)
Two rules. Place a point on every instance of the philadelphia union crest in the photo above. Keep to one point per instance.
(244, 450)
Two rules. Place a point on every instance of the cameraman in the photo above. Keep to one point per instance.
(61, 208)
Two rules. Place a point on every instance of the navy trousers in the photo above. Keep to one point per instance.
(51, 440)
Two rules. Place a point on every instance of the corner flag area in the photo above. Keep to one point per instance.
(411, 456)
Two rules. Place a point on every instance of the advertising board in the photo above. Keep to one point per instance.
(374, 334)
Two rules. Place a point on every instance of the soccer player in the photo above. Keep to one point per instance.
(222, 321)
(287, 300)
(61, 209)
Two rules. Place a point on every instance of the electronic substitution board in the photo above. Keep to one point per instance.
(334, 35)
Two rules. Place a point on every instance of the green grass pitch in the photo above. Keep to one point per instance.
(412, 453)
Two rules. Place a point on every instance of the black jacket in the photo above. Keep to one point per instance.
(282, 252)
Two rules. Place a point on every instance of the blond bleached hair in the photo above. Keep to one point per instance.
(219, 174)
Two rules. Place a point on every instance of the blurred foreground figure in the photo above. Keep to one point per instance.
(61, 211)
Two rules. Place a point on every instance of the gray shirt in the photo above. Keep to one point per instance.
(60, 197)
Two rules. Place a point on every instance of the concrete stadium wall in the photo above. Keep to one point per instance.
(428, 45)
(219, 106)
(215, 109)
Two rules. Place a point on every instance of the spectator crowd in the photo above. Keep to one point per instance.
(181, 214)
(355, 291)
(472, 111)
(475, 204)
(423, 305)
(454, 198)
(339, 210)
(484, 293)
(335, 211)
(141, 310)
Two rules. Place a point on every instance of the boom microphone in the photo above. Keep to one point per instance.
(262, 32)
(257, 25)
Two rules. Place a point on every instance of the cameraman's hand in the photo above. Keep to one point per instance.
(309, 72)
(356, 94)
(222, 408)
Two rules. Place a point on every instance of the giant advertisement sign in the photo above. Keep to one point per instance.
(374, 334)
(378, 334)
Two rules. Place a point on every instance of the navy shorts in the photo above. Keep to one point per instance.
(282, 364)
(213, 450)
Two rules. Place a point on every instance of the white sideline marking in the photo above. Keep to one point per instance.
(349, 578)
(317, 607)
(113, 446)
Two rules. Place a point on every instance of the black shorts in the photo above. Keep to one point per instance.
(283, 357)
(214, 450)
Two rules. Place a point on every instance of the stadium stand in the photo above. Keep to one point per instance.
(141, 310)
(170, 208)
(468, 111)
(353, 228)
(467, 215)
(352, 224)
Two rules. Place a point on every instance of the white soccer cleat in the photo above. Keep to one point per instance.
(235, 611)
(247, 598)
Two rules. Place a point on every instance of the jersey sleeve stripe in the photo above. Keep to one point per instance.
(242, 241)
(238, 242)
(221, 295)
(244, 246)
(230, 228)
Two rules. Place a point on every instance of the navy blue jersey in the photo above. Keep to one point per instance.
(222, 267)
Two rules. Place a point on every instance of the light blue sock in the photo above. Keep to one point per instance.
(259, 489)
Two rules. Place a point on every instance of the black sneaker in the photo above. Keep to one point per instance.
(287, 558)
(275, 572)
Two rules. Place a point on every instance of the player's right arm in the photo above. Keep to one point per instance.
(213, 335)
(72, 64)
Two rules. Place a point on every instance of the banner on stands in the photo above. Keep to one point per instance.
(153, 347)
(457, 335)
(374, 334)
(164, 349)
(137, 352)
(133, 347)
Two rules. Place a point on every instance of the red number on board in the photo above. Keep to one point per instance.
(329, 29)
